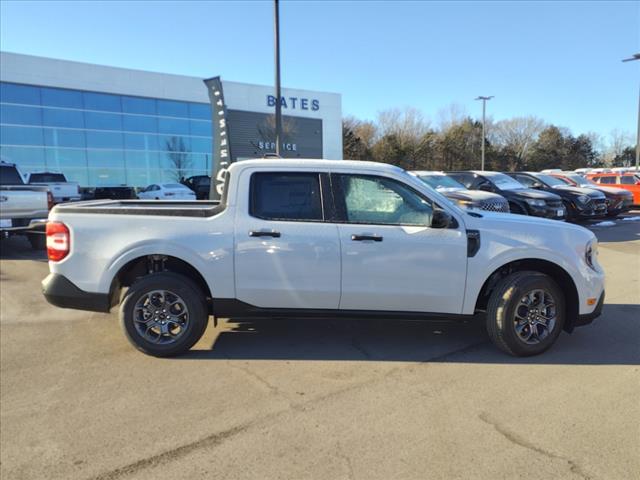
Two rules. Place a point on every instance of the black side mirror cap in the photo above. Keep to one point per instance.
(441, 219)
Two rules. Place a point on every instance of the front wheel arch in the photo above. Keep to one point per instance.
(553, 270)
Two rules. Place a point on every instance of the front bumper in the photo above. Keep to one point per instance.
(554, 212)
(587, 318)
(62, 292)
(594, 208)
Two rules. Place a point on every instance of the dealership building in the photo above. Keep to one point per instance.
(106, 126)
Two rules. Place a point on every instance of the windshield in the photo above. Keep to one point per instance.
(502, 181)
(440, 181)
(580, 180)
(549, 180)
(10, 176)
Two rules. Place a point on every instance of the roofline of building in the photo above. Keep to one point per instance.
(45, 71)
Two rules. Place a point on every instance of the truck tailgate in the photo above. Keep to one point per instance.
(23, 202)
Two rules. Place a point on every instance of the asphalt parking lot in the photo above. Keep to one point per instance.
(317, 399)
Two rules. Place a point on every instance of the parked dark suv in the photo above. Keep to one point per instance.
(522, 200)
(200, 184)
(581, 203)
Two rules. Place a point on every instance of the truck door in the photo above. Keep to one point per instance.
(392, 259)
(286, 254)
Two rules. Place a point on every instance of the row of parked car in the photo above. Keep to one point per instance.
(573, 196)
(557, 195)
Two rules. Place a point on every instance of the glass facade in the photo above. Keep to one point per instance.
(100, 139)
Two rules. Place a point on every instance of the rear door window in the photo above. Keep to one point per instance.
(286, 196)
(607, 180)
(628, 180)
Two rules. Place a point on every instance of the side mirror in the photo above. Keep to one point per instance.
(485, 187)
(536, 185)
(440, 219)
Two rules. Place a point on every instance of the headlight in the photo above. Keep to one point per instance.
(583, 199)
(536, 203)
(591, 253)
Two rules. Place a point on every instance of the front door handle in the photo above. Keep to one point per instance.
(264, 233)
(361, 238)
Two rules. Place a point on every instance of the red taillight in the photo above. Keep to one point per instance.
(58, 241)
(49, 200)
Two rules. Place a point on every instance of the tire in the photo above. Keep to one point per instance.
(162, 336)
(506, 301)
(37, 241)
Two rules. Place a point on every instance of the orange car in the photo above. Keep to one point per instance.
(629, 181)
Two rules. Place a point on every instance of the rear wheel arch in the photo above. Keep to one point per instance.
(553, 270)
(148, 264)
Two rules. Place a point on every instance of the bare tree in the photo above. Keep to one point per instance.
(618, 141)
(409, 125)
(179, 157)
(453, 114)
(515, 137)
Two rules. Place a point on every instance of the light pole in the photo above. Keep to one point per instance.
(484, 111)
(630, 59)
(276, 5)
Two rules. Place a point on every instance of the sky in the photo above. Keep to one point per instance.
(560, 61)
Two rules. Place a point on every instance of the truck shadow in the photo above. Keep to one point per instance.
(19, 248)
(611, 340)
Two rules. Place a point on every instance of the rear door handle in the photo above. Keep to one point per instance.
(264, 233)
(361, 238)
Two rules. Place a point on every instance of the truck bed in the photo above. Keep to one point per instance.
(167, 208)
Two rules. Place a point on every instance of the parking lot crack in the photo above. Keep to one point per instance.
(172, 455)
(347, 461)
(516, 439)
(272, 388)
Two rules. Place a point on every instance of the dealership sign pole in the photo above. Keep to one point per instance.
(221, 158)
(276, 5)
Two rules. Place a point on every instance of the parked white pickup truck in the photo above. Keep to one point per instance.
(61, 189)
(23, 208)
(321, 238)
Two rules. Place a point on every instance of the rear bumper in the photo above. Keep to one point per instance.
(24, 225)
(587, 318)
(61, 292)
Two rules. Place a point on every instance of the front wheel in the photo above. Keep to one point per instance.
(163, 314)
(526, 313)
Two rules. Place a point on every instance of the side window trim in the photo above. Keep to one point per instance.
(322, 192)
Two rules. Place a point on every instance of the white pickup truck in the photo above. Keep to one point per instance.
(61, 189)
(23, 208)
(321, 238)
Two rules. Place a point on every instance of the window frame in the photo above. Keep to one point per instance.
(340, 203)
(324, 189)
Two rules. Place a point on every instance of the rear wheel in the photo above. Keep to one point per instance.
(38, 241)
(526, 313)
(163, 314)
